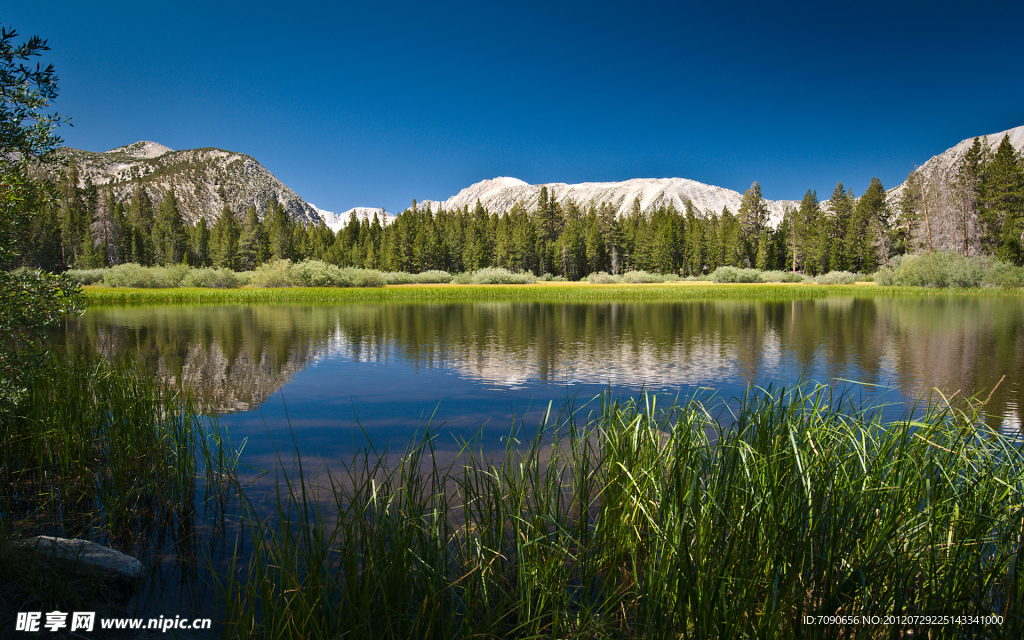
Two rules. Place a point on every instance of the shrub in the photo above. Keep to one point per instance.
(279, 273)
(499, 275)
(603, 278)
(314, 273)
(559, 279)
(949, 269)
(209, 278)
(781, 276)
(134, 275)
(642, 277)
(885, 277)
(1004, 274)
(836, 277)
(735, 274)
(398, 277)
(426, 277)
(354, 277)
(462, 278)
(86, 276)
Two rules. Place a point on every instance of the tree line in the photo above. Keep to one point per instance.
(974, 208)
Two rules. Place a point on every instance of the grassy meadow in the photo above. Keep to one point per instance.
(553, 291)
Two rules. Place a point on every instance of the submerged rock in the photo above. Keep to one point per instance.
(83, 555)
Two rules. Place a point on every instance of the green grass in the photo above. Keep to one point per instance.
(630, 519)
(540, 292)
(637, 521)
(98, 451)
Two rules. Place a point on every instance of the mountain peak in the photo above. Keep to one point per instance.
(143, 149)
(501, 194)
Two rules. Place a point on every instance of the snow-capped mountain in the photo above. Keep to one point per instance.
(336, 221)
(500, 194)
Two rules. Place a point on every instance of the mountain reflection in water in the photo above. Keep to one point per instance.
(478, 359)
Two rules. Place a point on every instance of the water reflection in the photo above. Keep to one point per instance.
(235, 357)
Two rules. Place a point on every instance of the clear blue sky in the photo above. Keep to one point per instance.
(376, 103)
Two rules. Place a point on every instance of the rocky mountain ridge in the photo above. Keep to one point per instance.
(500, 194)
(948, 159)
(204, 180)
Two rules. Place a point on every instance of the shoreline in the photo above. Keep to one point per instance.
(539, 292)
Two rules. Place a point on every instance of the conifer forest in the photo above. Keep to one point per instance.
(975, 207)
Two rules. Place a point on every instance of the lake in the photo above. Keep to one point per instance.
(336, 377)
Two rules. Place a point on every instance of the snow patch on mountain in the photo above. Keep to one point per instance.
(500, 194)
(337, 221)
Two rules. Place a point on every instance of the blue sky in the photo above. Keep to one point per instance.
(374, 104)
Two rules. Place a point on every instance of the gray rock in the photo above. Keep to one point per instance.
(88, 556)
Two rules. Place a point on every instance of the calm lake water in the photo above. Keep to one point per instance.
(335, 376)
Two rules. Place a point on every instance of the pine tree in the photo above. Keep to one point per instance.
(596, 247)
(840, 212)
(140, 218)
(169, 231)
(967, 188)
(252, 241)
(753, 219)
(806, 223)
(280, 234)
(201, 244)
(224, 239)
(911, 207)
(730, 240)
(73, 223)
(863, 234)
(1003, 204)
(696, 230)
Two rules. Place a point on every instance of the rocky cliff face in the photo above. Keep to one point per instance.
(948, 159)
(204, 180)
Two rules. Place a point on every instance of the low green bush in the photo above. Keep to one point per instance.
(499, 275)
(735, 274)
(355, 277)
(212, 278)
(86, 276)
(781, 276)
(949, 269)
(279, 273)
(1004, 274)
(137, 276)
(602, 277)
(836, 277)
(427, 277)
(314, 273)
(642, 277)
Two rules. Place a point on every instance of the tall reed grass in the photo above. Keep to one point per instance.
(102, 451)
(636, 520)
